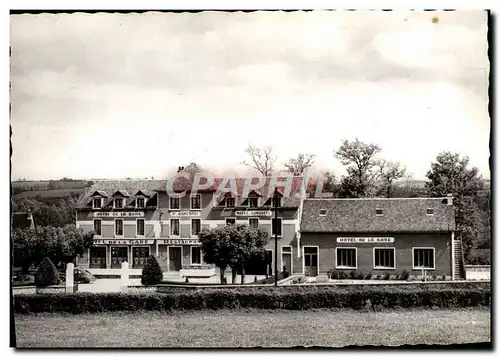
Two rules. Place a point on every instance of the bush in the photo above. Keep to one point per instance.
(46, 274)
(405, 275)
(151, 273)
(295, 298)
(368, 275)
(299, 280)
(353, 275)
(387, 277)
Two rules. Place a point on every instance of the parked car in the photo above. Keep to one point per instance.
(23, 279)
(82, 276)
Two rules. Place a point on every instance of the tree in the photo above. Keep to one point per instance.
(49, 214)
(450, 174)
(329, 183)
(151, 273)
(193, 167)
(388, 173)
(261, 159)
(60, 244)
(297, 166)
(232, 246)
(46, 274)
(360, 159)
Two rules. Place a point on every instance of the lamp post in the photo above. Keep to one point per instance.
(275, 236)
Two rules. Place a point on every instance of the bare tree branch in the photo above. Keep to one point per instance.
(297, 166)
(261, 159)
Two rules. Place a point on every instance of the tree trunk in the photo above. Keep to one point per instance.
(243, 275)
(221, 273)
(234, 274)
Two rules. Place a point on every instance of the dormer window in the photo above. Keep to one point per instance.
(230, 202)
(430, 211)
(97, 203)
(139, 202)
(322, 212)
(379, 212)
(118, 203)
(253, 202)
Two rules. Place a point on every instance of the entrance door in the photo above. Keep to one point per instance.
(139, 257)
(118, 256)
(174, 257)
(163, 257)
(311, 261)
(286, 259)
(97, 258)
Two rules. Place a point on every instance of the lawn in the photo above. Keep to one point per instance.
(239, 328)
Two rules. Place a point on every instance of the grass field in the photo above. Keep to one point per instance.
(254, 328)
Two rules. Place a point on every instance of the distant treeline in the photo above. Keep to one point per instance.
(23, 186)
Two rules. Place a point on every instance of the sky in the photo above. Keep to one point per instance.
(136, 95)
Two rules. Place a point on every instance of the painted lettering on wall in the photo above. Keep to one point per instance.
(253, 213)
(185, 214)
(123, 241)
(180, 241)
(365, 239)
(118, 214)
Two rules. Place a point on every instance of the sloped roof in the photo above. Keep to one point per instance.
(359, 215)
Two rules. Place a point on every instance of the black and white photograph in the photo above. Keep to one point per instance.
(241, 179)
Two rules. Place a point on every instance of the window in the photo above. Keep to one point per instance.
(430, 211)
(310, 256)
(379, 212)
(139, 202)
(196, 202)
(346, 258)
(276, 201)
(276, 226)
(118, 202)
(423, 258)
(322, 212)
(230, 202)
(383, 258)
(119, 227)
(140, 227)
(253, 222)
(195, 227)
(97, 227)
(174, 227)
(286, 249)
(253, 202)
(175, 203)
(196, 256)
(97, 203)
(230, 221)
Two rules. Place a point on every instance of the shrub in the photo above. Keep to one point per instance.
(46, 274)
(387, 277)
(295, 298)
(360, 275)
(342, 275)
(299, 280)
(151, 273)
(405, 275)
(353, 275)
(368, 275)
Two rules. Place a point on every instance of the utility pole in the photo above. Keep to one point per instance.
(275, 236)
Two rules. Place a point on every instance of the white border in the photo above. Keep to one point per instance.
(304, 258)
(93, 202)
(190, 202)
(191, 255)
(343, 267)
(291, 258)
(93, 226)
(140, 198)
(114, 227)
(170, 203)
(191, 227)
(258, 221)
(381, 267)
(170, 227)
(137, 227)
(118, 198)
(413, 258)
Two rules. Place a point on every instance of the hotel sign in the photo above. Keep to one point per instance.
(365, 239)
(123, 241)
(254, 213)
(118, 214)
(185, 214)
(189, 241)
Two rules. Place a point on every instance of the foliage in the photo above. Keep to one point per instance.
(290, 298)
(57, 214)
(151, 273)
(47, 274)
(261, 159)
(232, 246)
(405, 275)
(479, 257)
(297, 166)
(329, 184)
(271, 279)
(450, 174)
(60, 244)
(389, 172)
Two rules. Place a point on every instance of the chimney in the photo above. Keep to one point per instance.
(449, 199)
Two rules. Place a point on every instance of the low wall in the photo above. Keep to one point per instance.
(477, 272)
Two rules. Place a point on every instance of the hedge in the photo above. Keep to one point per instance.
(256, 299)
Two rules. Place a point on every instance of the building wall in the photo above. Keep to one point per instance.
(403, 244)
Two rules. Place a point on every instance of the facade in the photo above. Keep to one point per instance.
(381, 236)
(133, 219)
